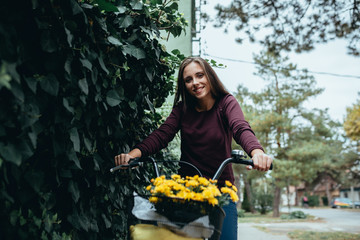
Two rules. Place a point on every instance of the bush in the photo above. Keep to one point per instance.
(294, 215)
(79, 81)
(245, 205)
(313, 201)
(264, 202)
(241, 213)
(325, 201)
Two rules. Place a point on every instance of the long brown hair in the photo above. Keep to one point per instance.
(216, 86)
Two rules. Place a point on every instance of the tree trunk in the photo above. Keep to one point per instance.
(288, 196)
(327, 189)
(249, 194)
(276, 204)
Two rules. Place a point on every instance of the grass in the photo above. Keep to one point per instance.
(268, 218)
(310, 235)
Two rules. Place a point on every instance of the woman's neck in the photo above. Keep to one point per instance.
(206, 105)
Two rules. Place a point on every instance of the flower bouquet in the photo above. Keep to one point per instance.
(185, 199)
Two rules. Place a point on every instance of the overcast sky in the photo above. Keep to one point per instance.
(339, 93)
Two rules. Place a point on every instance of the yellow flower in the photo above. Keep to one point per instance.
(203, 181)
(234, 197)
(213, 201)
(192, 183)
(189, 191)
(175, 176)
(228, 183)
(153, 199)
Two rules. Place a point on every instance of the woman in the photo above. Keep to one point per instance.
(208, 117)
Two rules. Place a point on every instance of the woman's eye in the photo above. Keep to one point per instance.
(187, 80)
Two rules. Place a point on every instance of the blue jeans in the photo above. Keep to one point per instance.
(230, 225)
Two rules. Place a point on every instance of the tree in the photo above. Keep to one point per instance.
(79, 83)
(275, 112)
(352, 122)
(294, 25)
(352, 130)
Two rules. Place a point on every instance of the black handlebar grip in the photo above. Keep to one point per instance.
(239, 157)
(132, 163)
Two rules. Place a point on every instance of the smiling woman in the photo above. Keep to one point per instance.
(197, 85)
(208, 117)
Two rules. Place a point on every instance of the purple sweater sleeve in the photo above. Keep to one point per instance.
(160, 138)
(242, 132)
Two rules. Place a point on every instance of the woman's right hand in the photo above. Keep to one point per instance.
(122, 159)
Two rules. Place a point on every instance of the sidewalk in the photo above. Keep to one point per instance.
(249, 231)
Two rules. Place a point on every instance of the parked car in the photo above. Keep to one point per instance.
(357, 204)
(341, 203)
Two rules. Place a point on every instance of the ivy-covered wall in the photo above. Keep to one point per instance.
(79, 81)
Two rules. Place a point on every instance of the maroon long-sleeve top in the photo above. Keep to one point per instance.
(205, 136)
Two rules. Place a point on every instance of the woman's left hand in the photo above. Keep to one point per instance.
(261, 160)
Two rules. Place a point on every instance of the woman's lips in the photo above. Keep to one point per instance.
(198, 90)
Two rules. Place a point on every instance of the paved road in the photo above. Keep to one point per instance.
(344, 220)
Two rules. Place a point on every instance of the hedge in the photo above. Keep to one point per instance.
(79, 83)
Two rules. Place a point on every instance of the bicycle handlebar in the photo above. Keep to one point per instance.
(135, 162)
(237, 156)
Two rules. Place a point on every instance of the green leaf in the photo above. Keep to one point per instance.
(113, 98)
(74, 137)
(106, 6)
(122, 9)
(18, 92)
(174, 6)
(47, 42)
(33, 138)
(13, 217)
(126, 21)
(72, 156)
(102, 64)
(32, 83)
(48, 223)
(35, 179)
(133, 105)
(49, 84)
(114, 41)
(67, 105)
(84, 86)
(86, 63)
(4, 77)
(76, 9)
(136, 4)
(74, 190)
(106, 220)
(10, 153)
(67, 65)
(149, 74)
(134, 51)
(69, 36)
(88, 144)
(151, 106)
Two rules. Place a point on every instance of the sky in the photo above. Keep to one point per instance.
(339, 92)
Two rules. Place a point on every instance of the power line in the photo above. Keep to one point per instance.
(254, 63)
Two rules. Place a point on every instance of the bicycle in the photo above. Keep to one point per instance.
(216, 217)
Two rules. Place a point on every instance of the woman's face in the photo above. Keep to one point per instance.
(196, 82)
